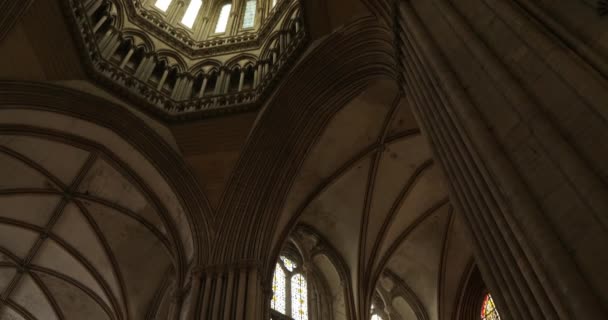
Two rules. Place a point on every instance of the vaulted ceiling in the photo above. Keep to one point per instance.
(89, 227)
(117, 235)
(370, 186)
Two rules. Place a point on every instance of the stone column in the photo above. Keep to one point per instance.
(496, 108)
(125, 60)
(99, 23)
(220, 81)
(201, 93)
(94, 5)
(146, 68)
(104, 40)
(162, 80)
(241, 80)
(110, 46)
(175, 10)
(228, 292)
(256, 76)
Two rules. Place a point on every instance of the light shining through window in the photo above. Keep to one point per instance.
(191, 13)
(278, 289)
(488, 309)
(249, 17)
(163, 4)
(222, 21)
(299, 298)
(289, 265)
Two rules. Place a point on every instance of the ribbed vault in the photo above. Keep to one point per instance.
(369, 185)
(89, 227)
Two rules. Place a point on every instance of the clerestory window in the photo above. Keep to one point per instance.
(163, 4)
(192, 13)
(249, 16)
(222, 20)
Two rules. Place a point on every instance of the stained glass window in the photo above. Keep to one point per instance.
(289, 265)
(222, 21)
(488, 309)
(163, 4)
(191, 13)
(299, 298)
(249, 16)
(278, 289)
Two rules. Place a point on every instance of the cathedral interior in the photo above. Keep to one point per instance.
(303, 159)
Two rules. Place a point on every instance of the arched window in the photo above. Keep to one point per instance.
(374, 310)
(163, 4)
(222, 20)
(191, 13)
(488, 309)
(249, 16)
(299, 297)
(278, 289)
(296, 303)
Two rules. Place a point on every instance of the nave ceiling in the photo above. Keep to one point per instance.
(366, 182)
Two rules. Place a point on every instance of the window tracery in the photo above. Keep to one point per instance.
(290, 297)
(488, 309)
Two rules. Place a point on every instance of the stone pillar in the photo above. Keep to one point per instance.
(110, 46)
(127, 57)
(241, 80)
(141, 67)
(232, 27)
(104, 40)
(94, 5)
(229, 293)
(259, 15)
(145, 69)
(99, 23)
(519, 168)
(220, 81)
(201, 27)
(201, 93)
(162, 80)
(175, 10)
(282, 39)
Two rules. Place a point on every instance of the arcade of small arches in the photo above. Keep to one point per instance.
(172, 82)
